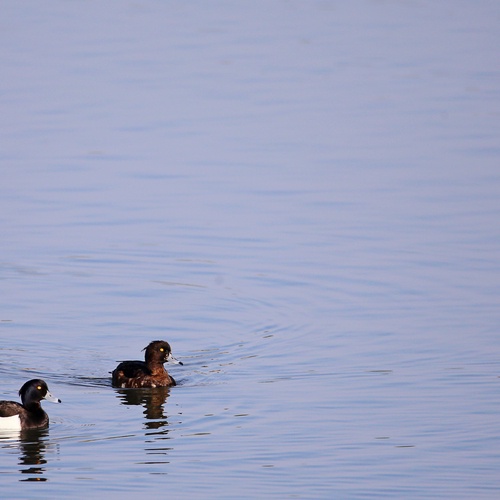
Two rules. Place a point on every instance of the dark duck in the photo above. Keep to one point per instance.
(148, 373)
(29, 414)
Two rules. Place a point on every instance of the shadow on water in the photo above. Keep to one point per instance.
(32, 446)
(153, 401)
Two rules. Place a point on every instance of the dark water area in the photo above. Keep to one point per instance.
(302, 198)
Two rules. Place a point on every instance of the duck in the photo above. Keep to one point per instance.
(29, 414)
(148, 373)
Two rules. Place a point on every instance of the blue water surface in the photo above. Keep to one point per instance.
(302, 198)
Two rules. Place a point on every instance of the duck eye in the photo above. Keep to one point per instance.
(39, 387)
(161, 349)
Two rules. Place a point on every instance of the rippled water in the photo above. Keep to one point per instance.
(302, 198)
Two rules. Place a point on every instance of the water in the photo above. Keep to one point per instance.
(302, 198)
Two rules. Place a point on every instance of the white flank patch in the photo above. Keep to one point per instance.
(10, 423)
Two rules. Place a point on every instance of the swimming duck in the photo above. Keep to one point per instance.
(29, 414)
(150, 373)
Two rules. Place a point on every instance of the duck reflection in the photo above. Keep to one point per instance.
(32, 457)
(152, 399)
(32, 448)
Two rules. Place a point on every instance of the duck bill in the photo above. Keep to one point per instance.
(51, 398)
(171, 359)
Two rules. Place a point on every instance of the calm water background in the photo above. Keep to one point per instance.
(302, 198)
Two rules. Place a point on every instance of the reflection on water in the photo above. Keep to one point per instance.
(152, 399)
(32, 457)
(32, 446)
